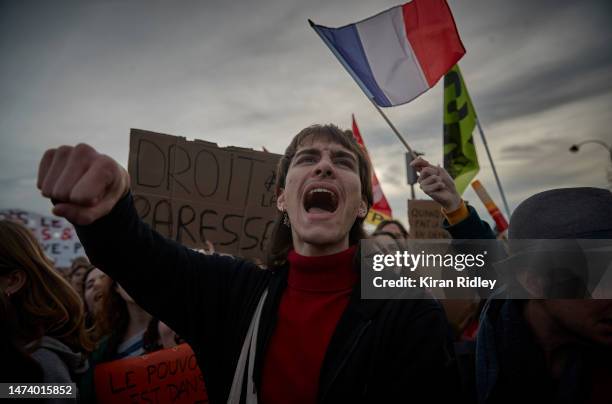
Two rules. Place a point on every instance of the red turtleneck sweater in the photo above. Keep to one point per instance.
(318, 290)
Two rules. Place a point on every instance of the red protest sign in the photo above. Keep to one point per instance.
(168, 376)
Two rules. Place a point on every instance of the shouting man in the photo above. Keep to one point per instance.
(314, 339)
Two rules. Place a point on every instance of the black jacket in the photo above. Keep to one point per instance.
(507, 365)
(381, 350)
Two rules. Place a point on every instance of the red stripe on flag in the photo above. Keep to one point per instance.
(433, 36)
(380, 203)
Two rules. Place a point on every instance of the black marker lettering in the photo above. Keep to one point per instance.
(182, 223)
(215, 174)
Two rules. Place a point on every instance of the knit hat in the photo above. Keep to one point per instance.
(564, 213)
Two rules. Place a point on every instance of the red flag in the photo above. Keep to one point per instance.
(380, 210)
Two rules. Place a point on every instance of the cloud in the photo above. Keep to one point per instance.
(253, 73)
(516, 151)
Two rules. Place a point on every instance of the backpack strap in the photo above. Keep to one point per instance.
(247, 355)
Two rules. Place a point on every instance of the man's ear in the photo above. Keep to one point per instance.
(280, 200)
(363, 209)
(14, 281)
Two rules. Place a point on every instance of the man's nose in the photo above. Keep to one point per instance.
(324, 168)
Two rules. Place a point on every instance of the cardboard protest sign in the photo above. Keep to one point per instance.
(56, 235)
(168, 376)
(425, 218)
(193, 191)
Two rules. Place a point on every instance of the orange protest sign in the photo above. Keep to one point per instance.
(168, 376)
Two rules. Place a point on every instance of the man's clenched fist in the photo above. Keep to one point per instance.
(83, 184)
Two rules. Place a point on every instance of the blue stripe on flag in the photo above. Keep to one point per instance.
(346, 45)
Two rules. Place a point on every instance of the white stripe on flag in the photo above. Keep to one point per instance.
(390, 56)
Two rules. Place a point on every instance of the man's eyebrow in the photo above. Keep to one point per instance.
(310, 150)
(343, 153)
(334, 153)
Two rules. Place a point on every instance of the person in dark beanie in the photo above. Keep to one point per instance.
(550, 350)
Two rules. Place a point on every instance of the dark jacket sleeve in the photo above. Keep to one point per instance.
(420, 365)
(182, 287)
(472, 227)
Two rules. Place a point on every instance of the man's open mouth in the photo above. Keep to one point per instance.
(320, 200)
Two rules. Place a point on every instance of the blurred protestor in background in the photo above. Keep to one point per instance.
(50, 319)
(64, 272)
(80, 266)
(121, 327)
(536, 350)
(96, 286)
(567, 343)
(394, 227)
(123, 322)
(386, 242)
(384, 237)
(161, 336)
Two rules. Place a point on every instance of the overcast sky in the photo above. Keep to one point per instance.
(253, 73)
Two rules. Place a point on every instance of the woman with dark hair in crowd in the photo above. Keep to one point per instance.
(95, 287)
(394, 227)
(123, 322)
(49, 313)
(385, 241)
(121, 327)
(79, 268)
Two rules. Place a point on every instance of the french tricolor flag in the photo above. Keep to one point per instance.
(400, 53)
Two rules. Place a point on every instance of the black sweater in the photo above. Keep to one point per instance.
(381, 350)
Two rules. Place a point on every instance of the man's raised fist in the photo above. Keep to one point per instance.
(83, 184)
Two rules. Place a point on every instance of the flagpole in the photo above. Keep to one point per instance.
(501, 190)
(394, 129)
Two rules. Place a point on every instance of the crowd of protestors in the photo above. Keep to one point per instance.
(56, 330)
(45, 313)
(323, 343)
